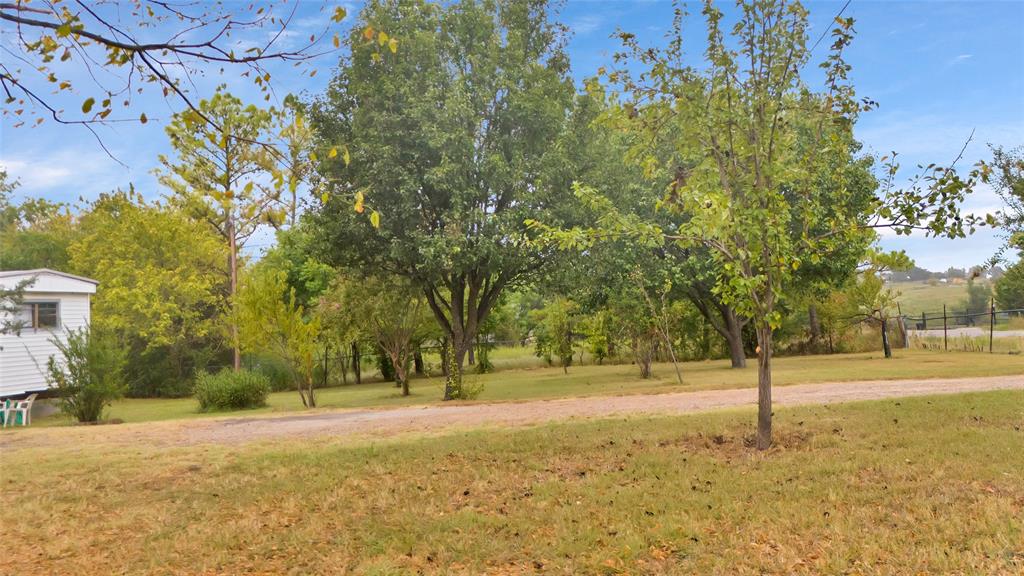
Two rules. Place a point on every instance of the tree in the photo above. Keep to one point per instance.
(86, 373)
(753, 149)
(454, 138)
(34, 233)
(140, 44)
(1010, 288)
(221, 177)
(555, 330)
(1007, 179)
(269, 318)
(162, 292)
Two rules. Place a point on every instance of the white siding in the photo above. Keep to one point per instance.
(23, 358)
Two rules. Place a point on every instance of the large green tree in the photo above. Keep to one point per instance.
(454, 141)
(161, 293)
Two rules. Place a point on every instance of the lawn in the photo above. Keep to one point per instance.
(589, 380)
(927, 485)
(917, 297)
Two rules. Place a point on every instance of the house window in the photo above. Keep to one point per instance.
(42, 314)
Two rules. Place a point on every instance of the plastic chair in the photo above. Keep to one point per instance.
(22, 407)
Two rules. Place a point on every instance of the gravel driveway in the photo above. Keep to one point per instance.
(436, 418)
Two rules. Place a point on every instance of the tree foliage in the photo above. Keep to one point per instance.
(453, 142)
(162, 292)
(270, 318)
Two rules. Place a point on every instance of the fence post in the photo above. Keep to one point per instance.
(903, 326)
(991, 323)
(924, 322)
(945, 333)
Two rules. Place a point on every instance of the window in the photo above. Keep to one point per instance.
(41, 315)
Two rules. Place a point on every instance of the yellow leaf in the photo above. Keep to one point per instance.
(368, 33)
(393, 45)
(359, 202)
(337, 41)
(333, 152)
(143, 119)
(382, 38)
(339, 15)
(375, 219)
(312, 156)
(87, 105)
(324, 197)
(345, 156)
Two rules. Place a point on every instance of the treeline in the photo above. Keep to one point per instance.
(457, 189)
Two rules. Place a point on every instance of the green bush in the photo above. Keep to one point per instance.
(230, 390)
(88, 373)
(275, 368)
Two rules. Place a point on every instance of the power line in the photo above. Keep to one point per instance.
(825, 33)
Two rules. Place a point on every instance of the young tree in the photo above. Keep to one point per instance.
(555, 330)
(269, 318)
(761, 166)
(221, 176)
(452, 141)
(86, 372)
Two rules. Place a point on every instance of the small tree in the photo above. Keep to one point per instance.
(269, 318)
(554, 332)
(87, 374)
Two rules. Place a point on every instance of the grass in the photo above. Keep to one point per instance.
(928, 485)
(590, 380)
(917, 297)
(1000, 345)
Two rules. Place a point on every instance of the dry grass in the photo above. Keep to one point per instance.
(930, 485)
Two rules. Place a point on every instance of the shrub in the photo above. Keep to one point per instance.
(88, 374)
(279, 374)
(230, 390)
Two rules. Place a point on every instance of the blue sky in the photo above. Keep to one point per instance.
(938, 69)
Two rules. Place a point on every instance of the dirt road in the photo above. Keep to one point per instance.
(434, 418)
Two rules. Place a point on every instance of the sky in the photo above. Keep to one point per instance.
(939, 70)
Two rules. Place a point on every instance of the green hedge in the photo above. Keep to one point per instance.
(230, 390)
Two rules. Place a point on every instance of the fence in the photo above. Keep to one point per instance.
(966, 325)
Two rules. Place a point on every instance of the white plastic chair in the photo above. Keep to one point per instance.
(23, 407)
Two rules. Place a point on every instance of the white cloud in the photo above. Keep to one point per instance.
(586, 24)
(958, 59)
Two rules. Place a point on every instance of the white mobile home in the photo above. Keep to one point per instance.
(53, 302)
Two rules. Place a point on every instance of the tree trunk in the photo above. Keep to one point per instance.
(417, 361)
(357, 370)
(764, 387)
(233, 265)
(471, 355)
(734, 337)
(814, 324)
(453, 377)
(401, 377)
(885, 338)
